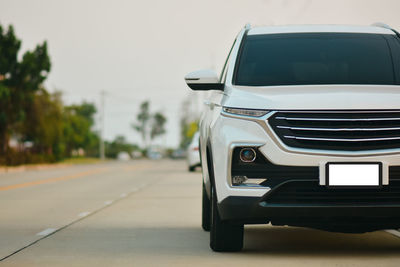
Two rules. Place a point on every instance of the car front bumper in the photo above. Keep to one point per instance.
(331, 217)
(230, 132)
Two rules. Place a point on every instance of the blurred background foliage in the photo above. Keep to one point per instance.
(189, 121)
(35, 125)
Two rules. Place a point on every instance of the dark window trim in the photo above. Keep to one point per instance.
(395, 54)
(239, 54)
(226, 63)
(394, 72)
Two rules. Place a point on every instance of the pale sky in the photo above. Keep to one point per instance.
(137, 50)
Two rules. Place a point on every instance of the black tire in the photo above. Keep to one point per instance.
(192, 168)
(224, 235)
(206, 211)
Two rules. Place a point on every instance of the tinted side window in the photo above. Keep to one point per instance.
(316, 58)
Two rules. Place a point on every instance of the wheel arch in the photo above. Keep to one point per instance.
(210, 168)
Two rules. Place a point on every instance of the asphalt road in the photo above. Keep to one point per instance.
(147, 213)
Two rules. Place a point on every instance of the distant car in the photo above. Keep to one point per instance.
(137, 154)
(123, 156)
(178, 154)
(193, 156)
(154, 155)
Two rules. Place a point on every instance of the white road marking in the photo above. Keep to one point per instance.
(84, 214)
(46, 232)
(123, 195)
(108, 202)
(393, 232)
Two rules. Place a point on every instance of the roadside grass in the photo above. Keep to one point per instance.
(42, 166)
(81, 160)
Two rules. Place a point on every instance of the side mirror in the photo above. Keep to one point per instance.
(203, 80)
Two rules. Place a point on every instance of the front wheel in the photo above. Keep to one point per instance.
(206, 211)
(224, 235)
(191, 168)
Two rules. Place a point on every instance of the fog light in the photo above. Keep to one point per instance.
(244, 181)
(247, 155)
(238, 180)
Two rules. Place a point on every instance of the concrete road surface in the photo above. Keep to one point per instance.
(147, 213)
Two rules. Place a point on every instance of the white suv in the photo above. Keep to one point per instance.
(302, 128)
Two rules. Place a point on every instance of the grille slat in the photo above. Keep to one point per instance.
(337, 119)
(342, 139)
(338, 130)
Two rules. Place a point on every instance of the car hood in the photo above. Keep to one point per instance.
(313, 97)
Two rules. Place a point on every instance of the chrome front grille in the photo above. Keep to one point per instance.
(338, 130)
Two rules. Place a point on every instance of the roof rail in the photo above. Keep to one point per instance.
(381, 25)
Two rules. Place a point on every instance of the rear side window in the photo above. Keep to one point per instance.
(317, 58)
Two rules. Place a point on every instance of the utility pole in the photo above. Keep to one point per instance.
(102, 154)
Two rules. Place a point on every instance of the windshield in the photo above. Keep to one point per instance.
(318, 58)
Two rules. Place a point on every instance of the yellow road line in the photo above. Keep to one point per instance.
(52, 180)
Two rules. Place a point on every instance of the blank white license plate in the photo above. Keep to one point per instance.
(354, 174)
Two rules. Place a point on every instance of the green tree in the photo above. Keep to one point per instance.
(44, 124)
(149, 125)
(19, 80)
(119, 144)
(29, 113)
(86, 110)
(78, 123)
(158, 125)
(143, 120)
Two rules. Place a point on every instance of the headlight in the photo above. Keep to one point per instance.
(246, 112)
